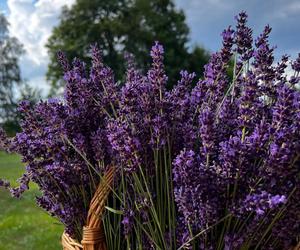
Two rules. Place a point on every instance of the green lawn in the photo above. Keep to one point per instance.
(22, 224)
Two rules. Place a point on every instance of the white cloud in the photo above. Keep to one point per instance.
(291, 8)
(197, 5)
(287, 10)
(32, 22)
(37, 81)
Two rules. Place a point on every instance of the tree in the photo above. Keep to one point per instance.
(124, 25)
(29, 93)
(10, 77)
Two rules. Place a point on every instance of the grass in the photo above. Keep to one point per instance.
(23, 225)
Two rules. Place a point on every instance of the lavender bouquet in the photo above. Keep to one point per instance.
(206, 165)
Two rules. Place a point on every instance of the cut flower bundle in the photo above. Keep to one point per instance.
(212, 164)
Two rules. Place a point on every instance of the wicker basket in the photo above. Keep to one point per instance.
(93, 234)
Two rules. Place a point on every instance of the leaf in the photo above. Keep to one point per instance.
(114, 210)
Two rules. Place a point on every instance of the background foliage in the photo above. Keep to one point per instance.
(10, 78)
(126, 25)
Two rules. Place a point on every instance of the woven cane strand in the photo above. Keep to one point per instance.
(93, 234)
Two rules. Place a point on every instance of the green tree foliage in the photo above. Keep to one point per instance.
(25, 92)
(10, 77)
(30, 94)
(124, 25)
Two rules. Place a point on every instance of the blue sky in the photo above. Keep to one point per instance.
(32, 22)
(207, 18)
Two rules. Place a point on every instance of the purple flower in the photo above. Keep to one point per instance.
(262, 202)
(296, 64)
(228, 40)
(156, 75)
(243, 37)
(125, 144)
(62, 59)
(4, 140)
(4, 183)
(249, 103)
(128, 218)
(207, 132)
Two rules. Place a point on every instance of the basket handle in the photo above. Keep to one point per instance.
(93, 233)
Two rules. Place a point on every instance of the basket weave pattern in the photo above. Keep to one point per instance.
(93, 234)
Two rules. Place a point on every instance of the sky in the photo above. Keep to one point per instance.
(31, 21)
